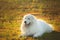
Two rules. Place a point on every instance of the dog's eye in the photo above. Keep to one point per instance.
(29, 18)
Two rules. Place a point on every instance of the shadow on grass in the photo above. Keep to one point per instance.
(48, 36)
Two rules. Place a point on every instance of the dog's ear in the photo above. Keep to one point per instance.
(33, 17)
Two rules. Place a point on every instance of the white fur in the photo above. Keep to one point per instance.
(36, 27)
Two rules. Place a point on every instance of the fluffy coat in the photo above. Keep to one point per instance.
(34, 26)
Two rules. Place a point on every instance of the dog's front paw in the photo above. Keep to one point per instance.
(34, 36)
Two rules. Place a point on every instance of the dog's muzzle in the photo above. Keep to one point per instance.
(26, 23)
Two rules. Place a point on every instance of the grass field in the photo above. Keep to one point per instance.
(12, 12)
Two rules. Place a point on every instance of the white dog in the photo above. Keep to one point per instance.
(32, 26)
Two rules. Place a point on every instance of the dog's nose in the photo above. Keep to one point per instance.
(24, 21)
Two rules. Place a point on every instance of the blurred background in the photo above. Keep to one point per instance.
(12, 12)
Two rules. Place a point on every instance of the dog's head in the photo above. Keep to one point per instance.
(28, 19)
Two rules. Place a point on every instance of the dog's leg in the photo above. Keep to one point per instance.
(37, 34)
